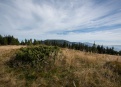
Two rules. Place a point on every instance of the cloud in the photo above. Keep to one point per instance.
(101, 37)
(44, 19)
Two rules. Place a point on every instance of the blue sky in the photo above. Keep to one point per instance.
(73, 20)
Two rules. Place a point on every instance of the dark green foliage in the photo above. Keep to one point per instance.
(35, 42)
(34, 61)
(34, 57)
(119, 52)
(1, 38)
(27, 42)
(8, 40)
(94, 48)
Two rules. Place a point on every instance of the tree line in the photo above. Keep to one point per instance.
(11, 40)
(8, 40)
(83, 47)
(77, 46)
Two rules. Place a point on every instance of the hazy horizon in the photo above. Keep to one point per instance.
(72, 20)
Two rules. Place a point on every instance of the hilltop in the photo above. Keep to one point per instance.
(71, 68)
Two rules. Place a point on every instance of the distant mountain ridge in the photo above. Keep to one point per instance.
(116, 47)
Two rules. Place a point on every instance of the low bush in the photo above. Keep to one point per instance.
(33, 62)
(37, 57)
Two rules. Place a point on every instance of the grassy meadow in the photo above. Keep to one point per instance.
(50, 66)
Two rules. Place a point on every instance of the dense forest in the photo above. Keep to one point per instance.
(11, 40)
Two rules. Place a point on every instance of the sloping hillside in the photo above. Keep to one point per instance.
(70, 68)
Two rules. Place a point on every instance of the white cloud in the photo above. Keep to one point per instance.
(35, 18)
(111, 37)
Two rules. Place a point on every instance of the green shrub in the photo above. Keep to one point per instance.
(37, 57)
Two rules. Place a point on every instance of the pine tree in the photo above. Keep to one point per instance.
(94, 49)
(1, 40)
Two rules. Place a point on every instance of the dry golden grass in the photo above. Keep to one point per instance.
(10, 47)
(73, 69)
(89, 68)
(6, 49)
(7, 79)
(72, 54)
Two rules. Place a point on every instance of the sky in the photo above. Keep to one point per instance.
(72, 20)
